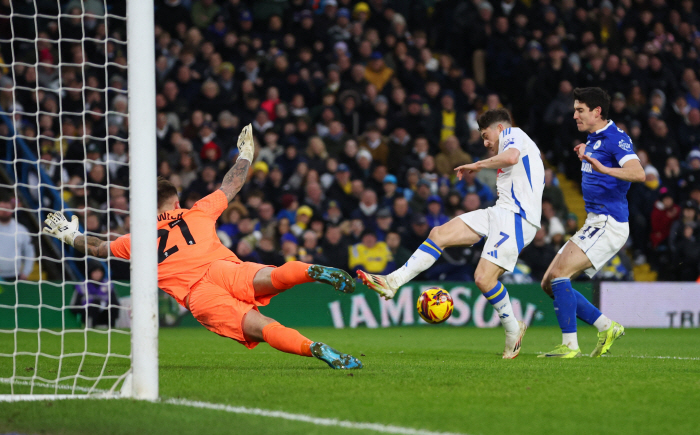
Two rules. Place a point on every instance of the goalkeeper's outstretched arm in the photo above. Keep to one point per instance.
(236, 176)
(92, 246)
(58, 226)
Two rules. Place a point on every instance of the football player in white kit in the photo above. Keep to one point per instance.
(609, 165)
(508, 226)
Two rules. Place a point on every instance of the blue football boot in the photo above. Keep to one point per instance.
(339, 279)
(335, 359)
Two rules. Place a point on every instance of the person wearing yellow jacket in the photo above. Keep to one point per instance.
(370, 255)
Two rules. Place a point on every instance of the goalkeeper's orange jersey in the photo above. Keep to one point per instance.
(187, 245)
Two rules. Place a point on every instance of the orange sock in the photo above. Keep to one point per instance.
(286, 339)
(290, 274)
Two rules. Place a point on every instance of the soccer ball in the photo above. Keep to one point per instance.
(435, 305)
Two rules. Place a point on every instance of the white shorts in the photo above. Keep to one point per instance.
(600, 238)
(506, 234)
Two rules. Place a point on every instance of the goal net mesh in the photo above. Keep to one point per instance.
(64, 316)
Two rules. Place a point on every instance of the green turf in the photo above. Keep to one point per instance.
(438, 379)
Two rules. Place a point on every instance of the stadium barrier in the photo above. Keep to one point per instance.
(305, 305)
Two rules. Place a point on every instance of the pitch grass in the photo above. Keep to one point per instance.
(433, 378)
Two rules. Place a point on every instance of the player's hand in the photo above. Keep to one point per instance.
(464, 169)
(580, 150)
(246, 146)
(595, 164)
(59, 227)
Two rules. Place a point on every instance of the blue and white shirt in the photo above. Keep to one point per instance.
(605, 194)
(520, 186)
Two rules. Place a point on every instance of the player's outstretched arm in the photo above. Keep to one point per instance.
(503, 160)
(236, 176)
(58, 226)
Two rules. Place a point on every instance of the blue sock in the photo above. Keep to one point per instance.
(585, 310)
(564, 304)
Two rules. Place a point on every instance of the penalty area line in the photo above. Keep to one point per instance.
(377, 427)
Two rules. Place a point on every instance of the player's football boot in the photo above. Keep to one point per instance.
(513, 342)
(334, 358)
(339, 279)
(562, 351)
(606, 339)
(378, 283)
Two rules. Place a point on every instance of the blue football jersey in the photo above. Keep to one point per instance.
(604, 194)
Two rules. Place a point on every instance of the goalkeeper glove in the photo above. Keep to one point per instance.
(246, 147)
(59, 227)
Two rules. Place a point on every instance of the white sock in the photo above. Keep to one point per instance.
(570, 339)
(603, 323)
(505, 313)
(499, 299)
(425, 256)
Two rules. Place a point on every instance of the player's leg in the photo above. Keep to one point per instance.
(456, 232)
(486, 279)
(570, 261)
(271, 281)
(569, 303)
(258, 328)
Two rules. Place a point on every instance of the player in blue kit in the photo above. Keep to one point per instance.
(609, 165)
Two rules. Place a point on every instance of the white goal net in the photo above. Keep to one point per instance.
(65, 317)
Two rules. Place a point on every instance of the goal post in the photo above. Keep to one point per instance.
(144, 265)
(78, 78)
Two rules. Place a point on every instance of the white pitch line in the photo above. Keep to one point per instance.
(646, 357)
(377, 427)
(651, 357)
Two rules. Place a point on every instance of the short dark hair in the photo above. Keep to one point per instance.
(492, 116)
(594, 97)
(166, 190)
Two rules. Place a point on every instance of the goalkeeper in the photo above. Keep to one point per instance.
(222, 292)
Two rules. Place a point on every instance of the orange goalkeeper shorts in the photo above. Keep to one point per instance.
(224, 295)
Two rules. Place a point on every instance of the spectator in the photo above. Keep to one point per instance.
(268, 252)
(555, 235)
(553, 193)
(447, 122)
(370, 255)
(18, 255)
(662, 217)
(450, 157)
(376, 72)
(335, 248)
(539, 254)
(471, 184)
(310, 251)
(95, 300)
(398, 252)
(434, 215)
(376, 144)
(419, 201)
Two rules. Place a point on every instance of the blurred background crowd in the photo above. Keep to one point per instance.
(361, 112)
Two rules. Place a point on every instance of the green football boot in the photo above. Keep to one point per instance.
(607, 338)
(562, 351)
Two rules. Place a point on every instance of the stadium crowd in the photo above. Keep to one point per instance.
(361, 111)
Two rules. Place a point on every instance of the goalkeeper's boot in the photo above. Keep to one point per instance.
(513, 342)
(378, 283)
(334, 358)
(339, 279)
(607, 338)
(562, 351)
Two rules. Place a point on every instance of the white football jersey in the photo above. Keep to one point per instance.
(520, 186)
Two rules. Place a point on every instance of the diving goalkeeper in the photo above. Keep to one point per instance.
(222, 292)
